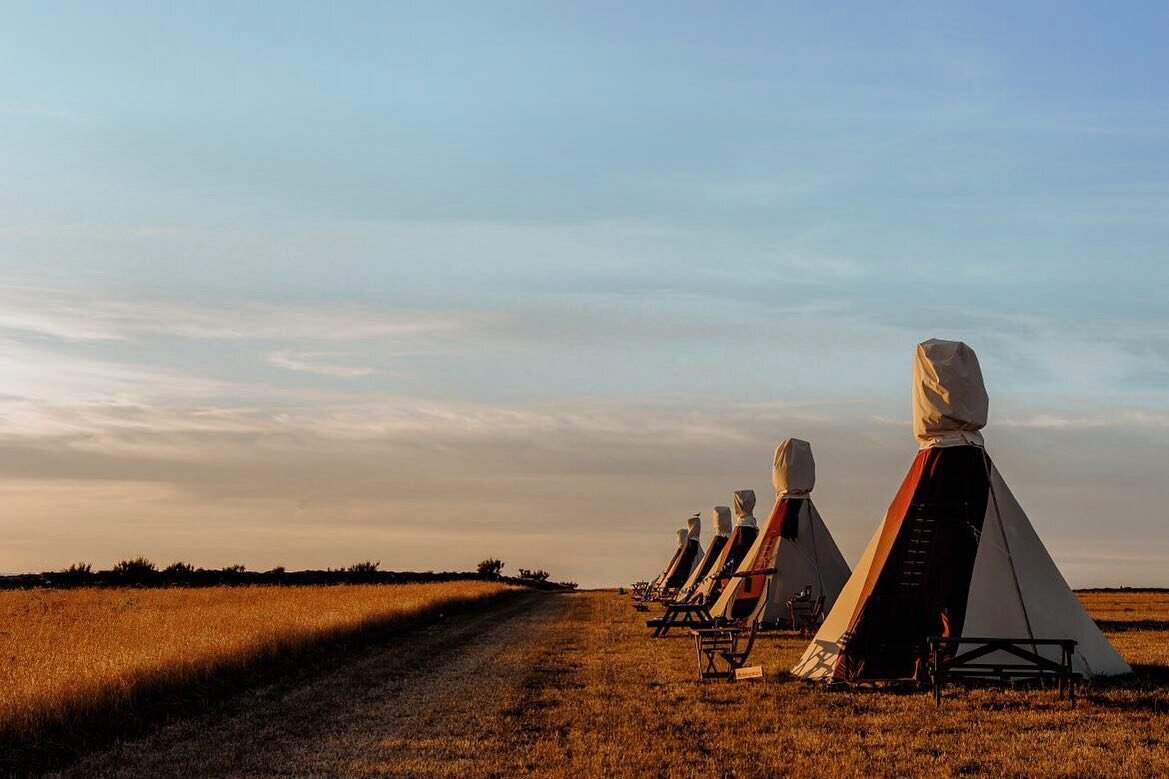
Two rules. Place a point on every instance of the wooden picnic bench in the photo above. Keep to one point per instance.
(726, 644)
(945, 661)
(681, 615)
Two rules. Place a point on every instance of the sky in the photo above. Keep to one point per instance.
(306, 284)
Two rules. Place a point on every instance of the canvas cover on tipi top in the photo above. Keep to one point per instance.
(722, 532)
(795, 541)
(955, 555)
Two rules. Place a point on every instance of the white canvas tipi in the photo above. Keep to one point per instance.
(689, 551)
(722, 532)
(955, 554)
(795, 541)
(742, 537)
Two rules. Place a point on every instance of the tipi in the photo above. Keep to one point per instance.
(955, 554)
(795, 541)
(742, 537)
(722, 528)
(689, 550)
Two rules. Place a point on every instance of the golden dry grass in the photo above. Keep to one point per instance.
(1138, 626)
(625, 705)
(72, 659)
(570, 685)
(445, 700)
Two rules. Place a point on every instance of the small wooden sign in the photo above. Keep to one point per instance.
(750, 672)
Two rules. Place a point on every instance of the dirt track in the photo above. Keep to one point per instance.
(440, 702)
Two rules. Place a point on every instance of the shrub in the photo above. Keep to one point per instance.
(179, 569)
(79, 569)
(490, 567)
(539, 575)
(139, 566)
(237, 568)
(366, 566)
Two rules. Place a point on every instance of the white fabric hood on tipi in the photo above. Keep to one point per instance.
(744, 501)
(955, 555)
(795, 541)
(722, 527)
(949, 398)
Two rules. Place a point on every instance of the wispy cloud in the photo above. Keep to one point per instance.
(1112, 420)
(318, 363)
(77, 316)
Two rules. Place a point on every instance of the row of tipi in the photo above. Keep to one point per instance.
(955, 554)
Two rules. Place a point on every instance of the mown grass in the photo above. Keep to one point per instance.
(81, 665)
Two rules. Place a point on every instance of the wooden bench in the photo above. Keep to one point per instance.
(681, 615)
(726, 644)
(945, 661)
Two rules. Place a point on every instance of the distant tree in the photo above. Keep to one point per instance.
(366, 567)
(490, 567)
(179, 569)
(567, 585)
(278, 570)
(79, 570)
(539, 575)
(237, 568)
(139, 566)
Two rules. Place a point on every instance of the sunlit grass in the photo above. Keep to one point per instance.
(571, 685)
(615, 703)
(79, 657)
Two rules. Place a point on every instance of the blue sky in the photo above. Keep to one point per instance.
(297, 284)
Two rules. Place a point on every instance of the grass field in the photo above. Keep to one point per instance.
(569, 685)
(657, 720)
(82, 661)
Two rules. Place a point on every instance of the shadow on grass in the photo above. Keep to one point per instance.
(1125, 625)
(1146, 689)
